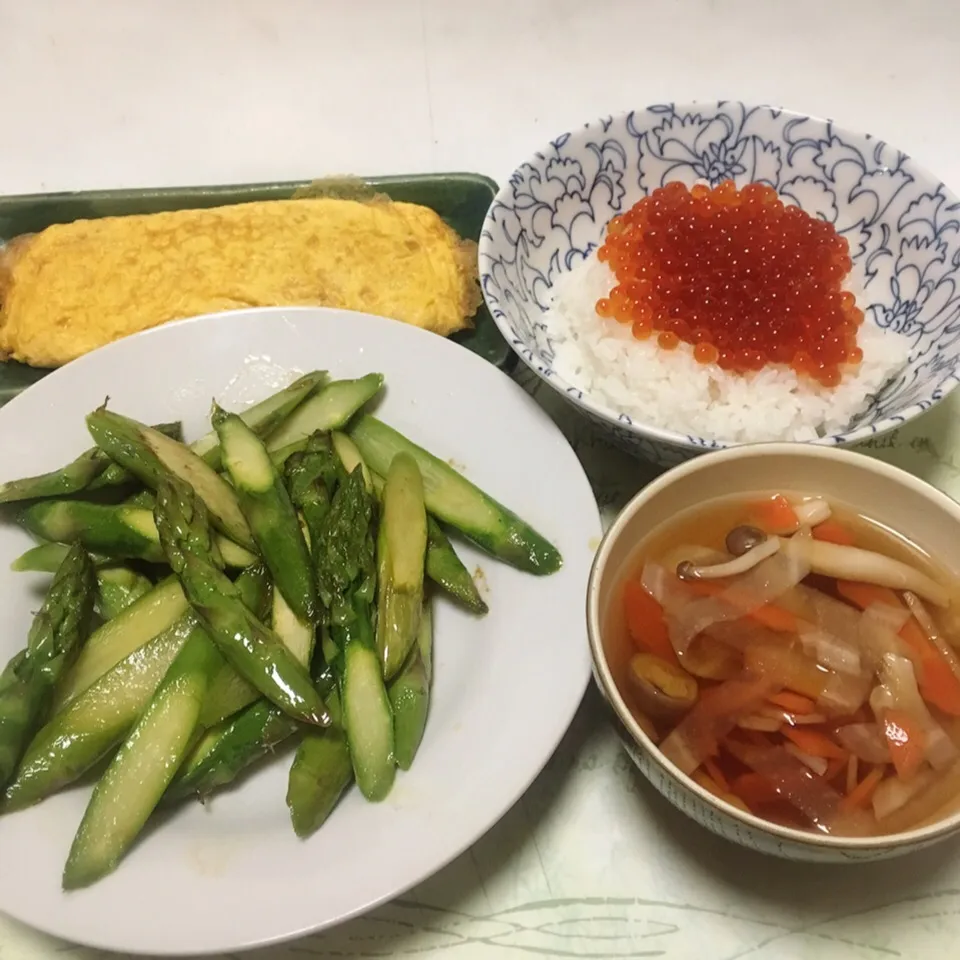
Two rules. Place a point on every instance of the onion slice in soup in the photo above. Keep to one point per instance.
(900, 684)
(865, 741)
(833, 637)
(741, 596)
(893, 793)
(831, 651)
(879, 628)
(835, 693)
(817, 764)
(934, 798)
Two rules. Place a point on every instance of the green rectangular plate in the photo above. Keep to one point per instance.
(461, 199)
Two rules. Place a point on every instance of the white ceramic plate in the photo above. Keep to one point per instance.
(232, 874)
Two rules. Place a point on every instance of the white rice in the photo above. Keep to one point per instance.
(671, 390)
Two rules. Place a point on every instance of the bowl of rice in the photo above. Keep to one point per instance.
(697, 276)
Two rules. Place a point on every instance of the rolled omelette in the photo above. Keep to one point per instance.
(74, 287)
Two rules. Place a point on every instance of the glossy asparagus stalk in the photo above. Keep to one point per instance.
(265, 417)
(346, 573)
(444, 567)
(269, 512)
(330, 408)
(153, 458)
(320, 772)
(410, 694)
(143, 767)
(93, 469)
(455, 500)
(251, 735)
(98, 719)
(58, 630)
(119, 588)
(401, 556)
(254, 651)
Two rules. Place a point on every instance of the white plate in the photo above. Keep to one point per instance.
(232, 874)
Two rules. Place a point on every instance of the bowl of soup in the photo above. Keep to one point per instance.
(777, 629)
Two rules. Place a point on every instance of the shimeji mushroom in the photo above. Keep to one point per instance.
(751, 546)
(688, 570)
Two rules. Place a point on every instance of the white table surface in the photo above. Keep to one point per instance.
(163, 92)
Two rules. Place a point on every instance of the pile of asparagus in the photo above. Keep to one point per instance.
(267, 582)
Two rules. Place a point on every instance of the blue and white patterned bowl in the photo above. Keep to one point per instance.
(902, 224)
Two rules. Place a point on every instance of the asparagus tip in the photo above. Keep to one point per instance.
(75, 878)
(217, 413)
(319, 718)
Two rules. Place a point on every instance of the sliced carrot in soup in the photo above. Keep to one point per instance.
(645, 622)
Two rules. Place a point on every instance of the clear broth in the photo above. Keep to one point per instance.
(706, 526)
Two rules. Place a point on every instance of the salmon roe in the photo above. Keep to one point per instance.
(744, 279)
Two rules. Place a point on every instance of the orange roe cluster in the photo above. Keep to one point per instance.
(744, 279)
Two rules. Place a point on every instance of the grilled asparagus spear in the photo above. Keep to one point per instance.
(47, 557)
(117, 476)
(443, 565)
(346, 575)
(138, 775)
(58, 630)
(98, 719)
(455, 500)
(117, 589)
(296, 634)
(350, 457)
(280, 456)
(121, 532)
(410, 694)
(227, 750)
(143, 620)
(75, 476)
(230, 693)
(311, 476)
(323, 766)
(401, 551)
(330, 408)
(94, 470)
(91, 470)
(142, 498)
(320, 772)
(231, 749)
(265, 417)
(153, 458)
(255, 652)
(367, 713)
(445, 568)
(269, 512)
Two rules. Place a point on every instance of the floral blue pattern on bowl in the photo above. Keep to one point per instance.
(902, 225)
